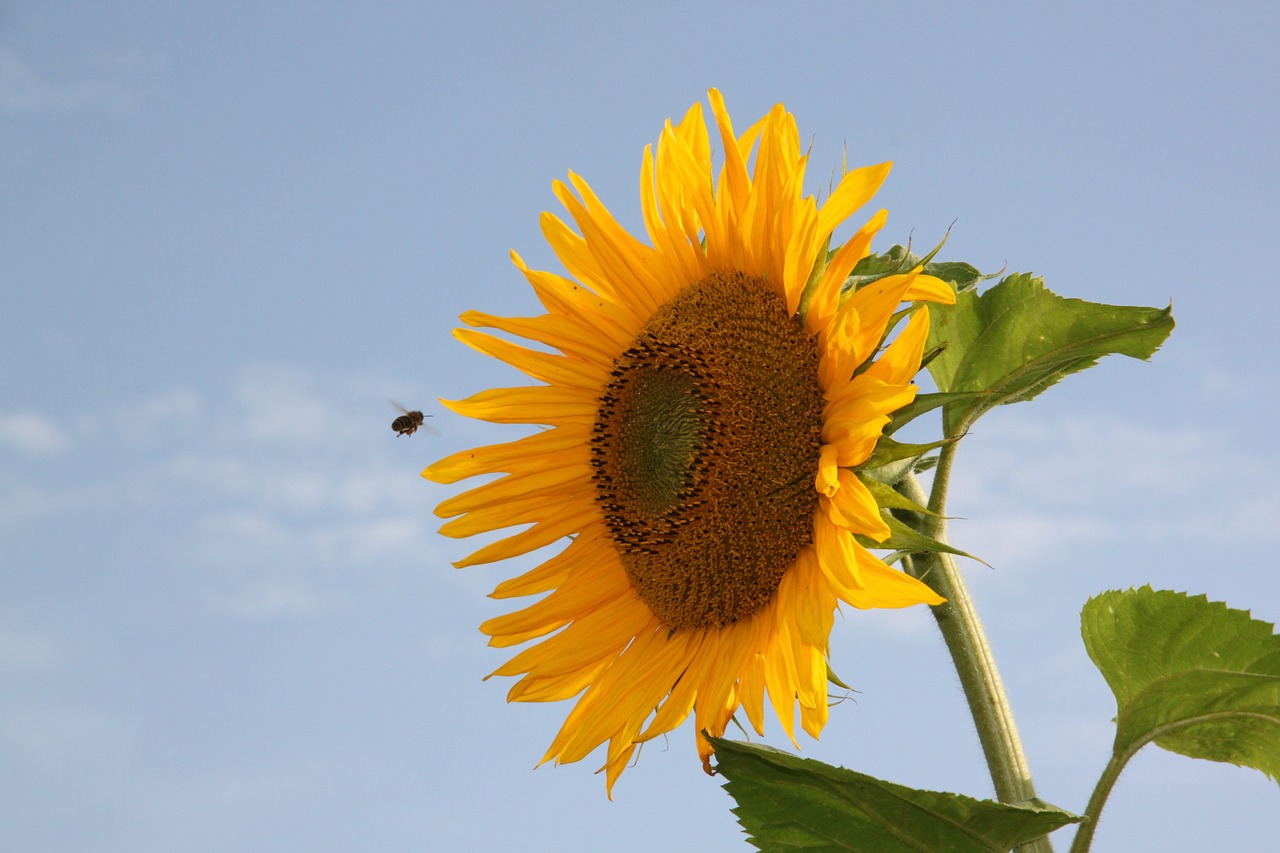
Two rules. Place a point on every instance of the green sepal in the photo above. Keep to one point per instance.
(1019, 338)
(834, 679)
(926, 403)
(930, 354)
(899, 259)
(925, 464)
(903, 537)
(891, 460)
(820, 265)
(788, 803)
(890, 498)
(1188, 674)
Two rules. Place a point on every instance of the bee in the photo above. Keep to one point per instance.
(409, 422)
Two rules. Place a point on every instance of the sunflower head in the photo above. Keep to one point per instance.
(704, 438)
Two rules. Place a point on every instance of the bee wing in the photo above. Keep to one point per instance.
(424, 426)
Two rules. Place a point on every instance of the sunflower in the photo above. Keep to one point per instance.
(708, 398)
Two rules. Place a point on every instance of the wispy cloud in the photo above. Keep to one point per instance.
(283, 493)
(269, 597)
(33, 434)
(1026, 487)
(146, 421)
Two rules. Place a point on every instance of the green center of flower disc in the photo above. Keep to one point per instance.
(705, 449)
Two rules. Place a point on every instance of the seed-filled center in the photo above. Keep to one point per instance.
(705, 450)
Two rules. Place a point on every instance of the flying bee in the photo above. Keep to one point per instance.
(409, 422)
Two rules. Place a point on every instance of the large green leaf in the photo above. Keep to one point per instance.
(1191, 675)
(788, 803)
(1018, 338)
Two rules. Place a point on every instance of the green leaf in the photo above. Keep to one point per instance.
(787, 803)
(1191, 675)
(1018, 338)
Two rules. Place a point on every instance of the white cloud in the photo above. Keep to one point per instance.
(33, 434)
(267, 559)
(273, 597)
(267, 539)
(172, 412)
(298, 483)
(1082, 459)
(1003, 538)
(283, 493)
(1024, 487)
(288, 405)
(24, 502)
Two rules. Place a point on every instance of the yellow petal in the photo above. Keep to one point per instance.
(538, 404)
(593, 637)
(827, 481)
(526, 509)
(552, 448)
(901, 360)
(678, 261)
(735, 184)
(927, 288)
(886, 586)
(557, 526)
(562, 332)
(853, 508)
(837, 557)
(590, 586)
(506, 491)
(855, 189)
(561, 295)
(588, 546)
(826, 297)
(554, 688)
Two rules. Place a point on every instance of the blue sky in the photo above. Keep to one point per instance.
(228, 235)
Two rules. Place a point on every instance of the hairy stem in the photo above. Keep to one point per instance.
(962, 632)
(1084, 835)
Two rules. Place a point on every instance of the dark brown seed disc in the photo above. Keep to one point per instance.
(705, 449)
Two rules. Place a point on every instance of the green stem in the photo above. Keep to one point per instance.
(1084, 834)
(962, 632)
